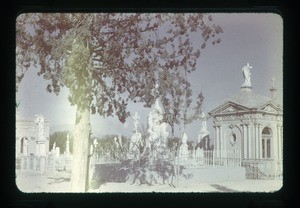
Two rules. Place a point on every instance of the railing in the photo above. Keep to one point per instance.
(263, 168)
(44, 163)
(255, 168)
(32, 163)
(211, 158)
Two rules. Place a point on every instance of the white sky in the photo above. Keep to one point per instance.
(256, 38)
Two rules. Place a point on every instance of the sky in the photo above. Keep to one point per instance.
(254, 38)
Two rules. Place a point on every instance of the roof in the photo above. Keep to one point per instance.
(249, 99)
(244, 101)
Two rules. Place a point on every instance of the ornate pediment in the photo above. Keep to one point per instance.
(228, 108)
(270, 108)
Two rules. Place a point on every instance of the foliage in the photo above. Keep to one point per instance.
(113, 54)
(107, 147)
(177, 100)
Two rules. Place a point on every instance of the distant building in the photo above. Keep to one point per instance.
(29, 140)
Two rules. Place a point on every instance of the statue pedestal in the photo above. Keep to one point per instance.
(246, 87)
(183, 151)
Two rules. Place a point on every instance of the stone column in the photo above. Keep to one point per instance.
(215, 138)
(224, 149)
(259, 141)
(245, 141)
(279, 142)
(249, 142)
(217, 141)
(274, 152)
(256, 141)
(37, 148)
(221, 141)
(25, 147)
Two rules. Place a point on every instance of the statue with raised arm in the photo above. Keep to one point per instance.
(247, 75)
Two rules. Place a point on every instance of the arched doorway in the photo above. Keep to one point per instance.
(24, 144)
(266, 142)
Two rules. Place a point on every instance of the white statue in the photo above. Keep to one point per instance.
(184, 138)
(120, 141)
(95, 142)
(203, 130)
(135, 118)
(247, 75)
(53, 147)
(39, 120)
(135, 139)
(203, 121)
(116, 142)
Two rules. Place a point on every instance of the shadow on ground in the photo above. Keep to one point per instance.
(135, 172)
(58, 180)
(109, 173)
(222, 188)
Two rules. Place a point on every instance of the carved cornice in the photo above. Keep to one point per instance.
(248, 116)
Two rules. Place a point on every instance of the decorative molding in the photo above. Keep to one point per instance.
(229, 109)
(269, 108)
(233, 139)
(244, 117)
(219, 118)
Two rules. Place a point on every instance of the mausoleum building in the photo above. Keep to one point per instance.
(249, 123)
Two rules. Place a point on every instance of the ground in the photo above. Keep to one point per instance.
(60, 182)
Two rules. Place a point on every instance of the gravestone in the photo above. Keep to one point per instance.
(183, 149)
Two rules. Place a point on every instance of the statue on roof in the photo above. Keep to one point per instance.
(247, 75)
(40, 122)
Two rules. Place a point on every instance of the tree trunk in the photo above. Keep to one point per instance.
(80, 150)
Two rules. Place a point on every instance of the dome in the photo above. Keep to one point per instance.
(249, 99)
